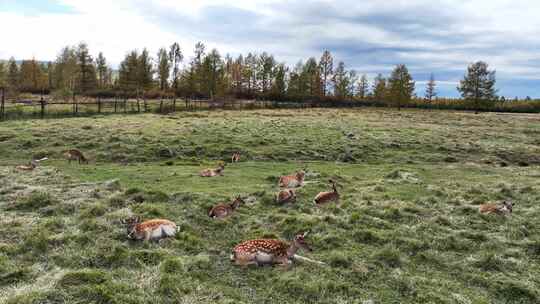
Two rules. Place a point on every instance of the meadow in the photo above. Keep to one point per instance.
(407, 229)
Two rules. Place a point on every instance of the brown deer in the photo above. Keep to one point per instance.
(213, 172)
(235, 157)
(75, 154)
(268, 251)
(502, 209)
(31, 165)
(286, 196)
(292, 181)
(221, 211)
(154, 230)
(327, 197)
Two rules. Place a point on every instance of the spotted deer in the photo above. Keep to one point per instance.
(502, 209)
(327, 197)
(268, 251)
(154, 230)
(286, 196)
(224, 210)
(31, 165)
(213, 172)
(292, 181)
(235, 157)
(75, 154)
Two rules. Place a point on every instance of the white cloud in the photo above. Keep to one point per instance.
(370, 34)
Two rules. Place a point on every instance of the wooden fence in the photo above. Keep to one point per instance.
(43, 107)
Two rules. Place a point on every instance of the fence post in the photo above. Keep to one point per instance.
(75, 104)
(115, 102)
(3, 100)
(125, 102)
(99, 104)
(42, 102)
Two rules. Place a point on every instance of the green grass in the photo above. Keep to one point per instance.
(407, 229)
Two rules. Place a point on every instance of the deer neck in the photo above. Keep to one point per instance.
(292, 250)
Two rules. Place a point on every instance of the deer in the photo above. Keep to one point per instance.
(292, 181)
(31, 165)
(235, 157)
(262, 252)
(151, 230)
(501, 209)
(75, 154)
(213, 172)
(286, 196)
(327, 197)
(221, 211)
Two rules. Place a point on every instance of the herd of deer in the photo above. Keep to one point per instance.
(259, 251)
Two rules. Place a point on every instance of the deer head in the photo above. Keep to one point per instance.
(131, 224)
(300, 242)
(237, 201)
(508, 205)
(333, 185)
(300, 175)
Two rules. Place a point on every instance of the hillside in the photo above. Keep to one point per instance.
(407, 229)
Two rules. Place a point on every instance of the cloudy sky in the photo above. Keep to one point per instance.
(371, 36)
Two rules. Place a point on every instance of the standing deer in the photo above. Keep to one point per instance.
(154, 230)
(224, 210)
(286, 196)
(213, 172)
(235, 157)
(327, 197)
(75, 154)
(292, 181)
(268, 251)
(501, 209)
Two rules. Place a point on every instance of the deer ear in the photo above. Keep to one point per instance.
(305, 234)
(123, 221)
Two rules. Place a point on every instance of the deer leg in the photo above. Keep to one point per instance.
(147, 236)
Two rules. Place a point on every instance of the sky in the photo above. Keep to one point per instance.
(371, 36)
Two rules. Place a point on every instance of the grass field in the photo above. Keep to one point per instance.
(407, 229)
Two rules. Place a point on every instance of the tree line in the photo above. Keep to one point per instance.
(208, 74)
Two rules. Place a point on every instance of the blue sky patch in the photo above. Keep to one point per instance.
(34, 7)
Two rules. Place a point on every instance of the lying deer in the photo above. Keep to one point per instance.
(327, 197)
(31, 165)
(268, 251)
(224, 210)
(236, 157)
(292, 181)
(501, 209)
(154, 230)
(213, 172)
(286, 196)
(75, 154)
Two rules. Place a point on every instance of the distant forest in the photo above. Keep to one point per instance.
(253, 76)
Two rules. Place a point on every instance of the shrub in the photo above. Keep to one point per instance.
(35, 200)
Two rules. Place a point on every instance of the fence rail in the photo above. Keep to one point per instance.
(47, 106)
(44, 107)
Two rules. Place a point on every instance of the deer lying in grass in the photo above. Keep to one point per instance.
(268, 251)
(502, 209)
(235, 158)
(213, 172)
(292, 181)
(75, 154)
(224, 210)
(286, 196)
(327, 197)
(31, 165)
(154, 230)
